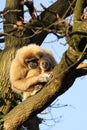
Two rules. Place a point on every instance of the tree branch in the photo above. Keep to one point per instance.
(65, 71)
(79, 9)
(81, 72)
(47, 17)
(79, 38)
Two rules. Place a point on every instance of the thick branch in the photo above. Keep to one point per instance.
(79, 9)
(60, 8)
(81, 72)
(63, 72)
(12, 43)
(45, 19)
(79, 38)
(81, 69)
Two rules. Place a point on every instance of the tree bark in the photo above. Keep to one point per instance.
(65, 70)
(7, 55)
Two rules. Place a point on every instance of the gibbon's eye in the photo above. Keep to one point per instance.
(32, 64)
(46, 65)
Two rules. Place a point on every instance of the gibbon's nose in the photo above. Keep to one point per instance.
(46, 65)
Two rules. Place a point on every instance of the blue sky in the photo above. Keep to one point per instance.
(74, 116)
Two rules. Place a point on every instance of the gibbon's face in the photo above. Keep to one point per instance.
(39, 63)
(36, 59)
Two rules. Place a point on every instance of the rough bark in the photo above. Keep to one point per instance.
(6, 56)
(50, 92)
(65, 70)
(79, 33)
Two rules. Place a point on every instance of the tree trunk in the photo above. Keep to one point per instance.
(11, 45)
(7, 55)
(64, 71)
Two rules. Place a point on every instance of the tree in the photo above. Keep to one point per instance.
(17, 33)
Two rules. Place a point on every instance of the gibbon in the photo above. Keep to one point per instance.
(31, 69)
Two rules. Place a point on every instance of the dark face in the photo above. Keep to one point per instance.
(43, 62)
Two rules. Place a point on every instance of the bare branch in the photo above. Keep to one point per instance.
(81, 72)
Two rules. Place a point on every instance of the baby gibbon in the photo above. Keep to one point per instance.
(31, 69)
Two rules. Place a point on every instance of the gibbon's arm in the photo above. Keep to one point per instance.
(18, 77)
(26, 83)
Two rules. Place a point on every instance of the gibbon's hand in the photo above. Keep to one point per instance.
(45, 77)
